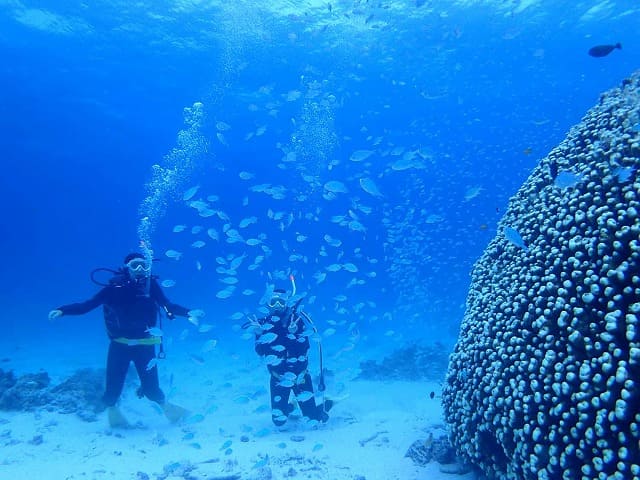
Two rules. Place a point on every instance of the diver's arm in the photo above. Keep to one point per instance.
(172, 309)
(84, 307)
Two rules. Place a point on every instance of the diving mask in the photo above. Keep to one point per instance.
(138, 267)
(278, 301)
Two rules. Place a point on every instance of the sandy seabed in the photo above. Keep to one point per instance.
(228, 433)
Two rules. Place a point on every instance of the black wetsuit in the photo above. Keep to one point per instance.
(128, 313)
(288, 363)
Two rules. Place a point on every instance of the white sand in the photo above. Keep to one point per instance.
(371, 427)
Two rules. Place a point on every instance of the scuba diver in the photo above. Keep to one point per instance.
(131, 303)
(282, 338)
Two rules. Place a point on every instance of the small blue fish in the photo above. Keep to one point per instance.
(316, 447)
(273, 360)
(261, 463)
(228, 451)
(514, 237)
(624, 173)
(154, 331)
(566, 179)
(188, 436)
(226, 445)
(197, 418)
(263, 433)
(286, 382)
(304, 396)
(195, 445)
(267, 337)
(152, 363)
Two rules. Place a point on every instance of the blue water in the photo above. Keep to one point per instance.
(92, 95)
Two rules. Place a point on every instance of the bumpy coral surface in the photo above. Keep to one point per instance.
(544, 382)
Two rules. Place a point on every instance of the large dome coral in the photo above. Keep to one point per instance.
(544, 382)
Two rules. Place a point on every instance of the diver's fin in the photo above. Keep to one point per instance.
(117, 419)
(174, 413)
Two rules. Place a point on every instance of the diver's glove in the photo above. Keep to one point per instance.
(53, 314)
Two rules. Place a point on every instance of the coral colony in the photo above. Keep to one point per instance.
(544, 379)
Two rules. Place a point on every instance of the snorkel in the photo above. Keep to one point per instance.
(293, 285)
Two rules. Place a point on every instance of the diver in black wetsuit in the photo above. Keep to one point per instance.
(131, 304)
(282, 338)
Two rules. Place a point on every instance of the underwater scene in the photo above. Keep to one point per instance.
(350, 239)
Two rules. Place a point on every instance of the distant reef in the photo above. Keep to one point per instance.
(544, 381)
(412, 362)
(80, 394)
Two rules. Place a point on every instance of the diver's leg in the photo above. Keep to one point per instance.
(308, 407)
(149, 383)
(117, 365)
(280, 408)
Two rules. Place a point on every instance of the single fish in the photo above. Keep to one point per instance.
(154, 331)
(603, 50)
(369, 186)
(209, 345)
(189, 194)
(304, 396)
(285, 382)
(350, 267)
(360, 155)
(168, 283)
(245, 222)
(273, 360)
(267, 337)
(566, 179)
(263, 432)
(152, 363)
(514, 237)
(261, 463)
(624, 173)
(329, 331)
(226, 293)
(197, 418)
(173, 254)
(335, 186)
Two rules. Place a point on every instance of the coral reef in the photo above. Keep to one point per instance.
(80, 394)
(544, 379)
(438, 449)
(413, 362)
(27, 392)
